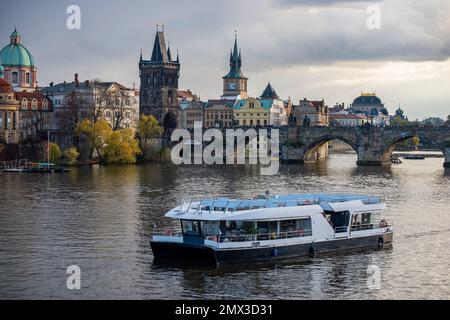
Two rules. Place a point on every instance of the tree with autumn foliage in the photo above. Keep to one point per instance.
(96, 135)
(118, 146)
(149, 129)
(121, 147)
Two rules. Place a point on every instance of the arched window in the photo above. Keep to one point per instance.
(15, 77)
(34, 104)
(45, 104)
(24, 104)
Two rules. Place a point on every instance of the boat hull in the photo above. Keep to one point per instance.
(193, 254)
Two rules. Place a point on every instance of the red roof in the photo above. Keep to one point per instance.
(29, 96)
(5, 87)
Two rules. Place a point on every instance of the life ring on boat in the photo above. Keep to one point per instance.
(168, 233)
(380, 243)
(312, 252)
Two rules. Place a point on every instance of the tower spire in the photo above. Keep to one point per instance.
(169, 55)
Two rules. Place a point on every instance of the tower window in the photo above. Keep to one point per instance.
(27, 77)
(14, 77)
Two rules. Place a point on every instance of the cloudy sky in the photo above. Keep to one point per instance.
(305, 48)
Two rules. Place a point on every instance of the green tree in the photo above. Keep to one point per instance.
(411, 143)
(447, 123)
(71, 156)
(148, 130)
(54, 152)
(96, 135)
(121, 147)
(399, 122)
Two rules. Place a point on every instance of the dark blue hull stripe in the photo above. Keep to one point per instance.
(195, 254)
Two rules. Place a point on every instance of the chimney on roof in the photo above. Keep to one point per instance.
(76, 79)
(51, 84)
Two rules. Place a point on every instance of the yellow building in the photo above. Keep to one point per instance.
(250, 112)
(9, 114)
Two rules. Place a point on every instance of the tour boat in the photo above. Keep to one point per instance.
(271, 227)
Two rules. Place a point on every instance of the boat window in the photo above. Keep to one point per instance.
(265, 229)
(366, 220)
(340, 219)
(237, 227)
(243, 206)
(210, 228)
(195, 205)
(304, 224)
(191, 227)
(287, 225)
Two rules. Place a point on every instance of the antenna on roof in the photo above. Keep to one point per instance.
(163, 27)
(157, 27)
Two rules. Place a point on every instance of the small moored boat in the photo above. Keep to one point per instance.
(271, 227)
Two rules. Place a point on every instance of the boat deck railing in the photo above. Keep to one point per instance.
(168, 232)
(262, 236)
(369, 226)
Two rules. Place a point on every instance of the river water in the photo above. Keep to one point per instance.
(100, 219)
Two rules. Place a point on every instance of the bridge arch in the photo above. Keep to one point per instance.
(311, 147)
(389, 147)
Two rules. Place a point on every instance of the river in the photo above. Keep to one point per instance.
(100, 219)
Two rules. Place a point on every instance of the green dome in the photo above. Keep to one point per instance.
(15, 54)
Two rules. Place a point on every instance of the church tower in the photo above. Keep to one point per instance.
(159, 83)
(235, 83)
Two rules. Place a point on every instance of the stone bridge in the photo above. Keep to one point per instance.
(373, 145)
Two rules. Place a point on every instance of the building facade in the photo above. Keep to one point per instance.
(9, 114)
(75, 101)
(219, 114)
(18, 64)
(250, 112)
(36, 115)
(191, 112)
(234, 82)
(311, 113)
(348, 120)
(159, 82)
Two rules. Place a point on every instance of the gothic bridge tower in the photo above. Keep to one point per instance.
(159, 84)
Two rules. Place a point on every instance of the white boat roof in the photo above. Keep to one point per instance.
(294, 205)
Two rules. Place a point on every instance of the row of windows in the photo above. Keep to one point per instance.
(8, 120)
(194, 114)
(15, 78)
(252, 123)
(258, 114)
(34, 104)
(226, 124)
(222, 116)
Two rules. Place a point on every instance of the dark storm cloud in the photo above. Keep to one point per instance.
(276, 37)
